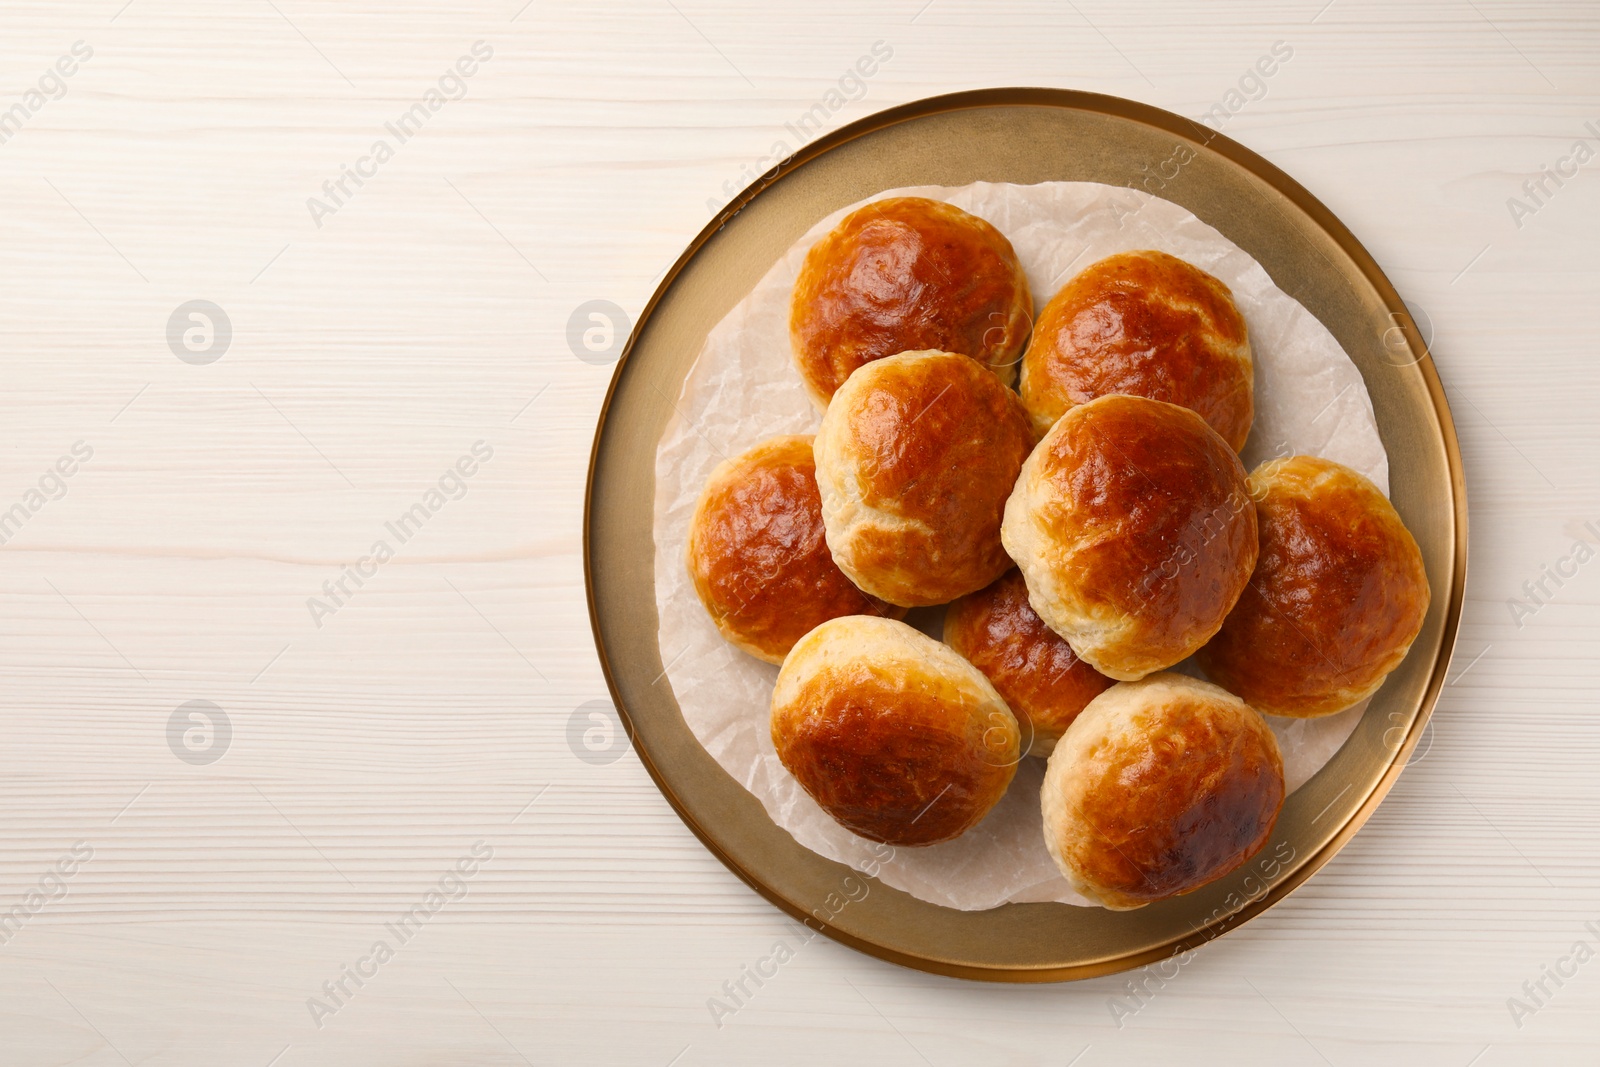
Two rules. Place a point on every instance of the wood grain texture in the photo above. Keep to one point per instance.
(432, 710)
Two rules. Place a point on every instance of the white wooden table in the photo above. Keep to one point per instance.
(182, 893)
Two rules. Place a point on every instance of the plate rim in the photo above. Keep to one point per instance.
(1335, 230)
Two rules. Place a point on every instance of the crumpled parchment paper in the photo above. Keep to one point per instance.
(743, 388)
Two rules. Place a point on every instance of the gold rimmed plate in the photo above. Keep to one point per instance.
(1022, 136)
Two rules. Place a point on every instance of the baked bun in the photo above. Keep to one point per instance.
(1337, 597)
(1158, 788)
(893, 734)
(1132, 524)
(758, 556)
(1042, 680)
(904, 274)
(1146, 324)
(915, 457)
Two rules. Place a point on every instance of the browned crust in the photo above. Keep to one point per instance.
(1178, 801)
(896, 754)
(906, 274)
(935, 445)
(1042, 680)
(1147, 324)
(758, 556)
(1163, 533)
(1337, 597)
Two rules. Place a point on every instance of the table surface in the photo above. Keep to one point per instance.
(191, 506)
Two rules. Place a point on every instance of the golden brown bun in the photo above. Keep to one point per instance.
(757, 553)
(906, 274)
(915, 458)
(1160, 787)
(1042, 680)
(893, 734)
(1337, 598)
(1146, 324)
(1134, 529)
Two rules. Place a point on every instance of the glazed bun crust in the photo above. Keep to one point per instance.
(906, 274)
(758, 556)
(915, 458)
(1337, 598)
(1042, 680)
(1146, 324)
(894, 735)
(1134, 529)
(1160, 787)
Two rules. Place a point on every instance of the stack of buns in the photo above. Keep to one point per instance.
(1088, 530)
